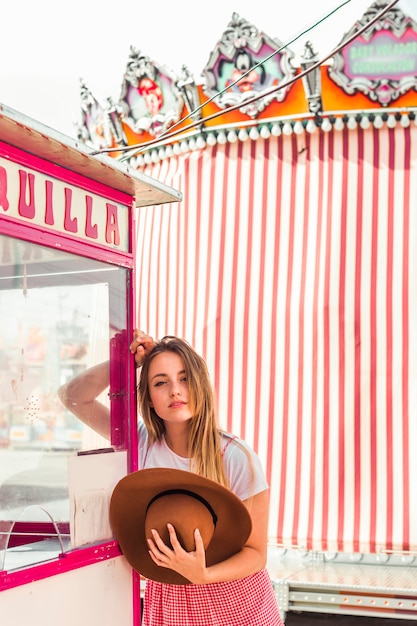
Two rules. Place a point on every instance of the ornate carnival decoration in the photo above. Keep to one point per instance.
(100, 125)
(382, 62)
(246, 63)
(150, 100)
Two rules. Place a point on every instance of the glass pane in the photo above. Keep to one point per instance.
(58, 315)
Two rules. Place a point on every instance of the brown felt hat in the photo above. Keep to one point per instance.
(152, 498)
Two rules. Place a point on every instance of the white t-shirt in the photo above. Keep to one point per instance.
(245, 481)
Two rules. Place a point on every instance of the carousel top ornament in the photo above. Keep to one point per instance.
(250, 87)
(246, 62)
(150, 99)
(382, 62)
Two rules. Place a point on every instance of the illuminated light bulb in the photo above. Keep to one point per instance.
(211, 139)
(405, 121)
(351, 123)
(311, 126)
(391, 121)
(365, 122)
(231, 136)
(339, 125)
(326, 125)
(276, 130)
(243, 135)
(254, 134)
(287, 129)
(265, 132)
(298, 128)
(378, 121)
(221, 138)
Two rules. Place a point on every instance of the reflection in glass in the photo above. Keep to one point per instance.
(58, 314)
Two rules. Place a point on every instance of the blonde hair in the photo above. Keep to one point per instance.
(204, 444)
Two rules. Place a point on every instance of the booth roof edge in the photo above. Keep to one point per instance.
(27, 134)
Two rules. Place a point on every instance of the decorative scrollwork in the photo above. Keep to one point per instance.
(382, 62)
(244, 63)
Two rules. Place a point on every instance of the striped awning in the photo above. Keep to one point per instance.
(291, 265)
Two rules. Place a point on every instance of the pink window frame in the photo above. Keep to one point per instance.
(82, 557)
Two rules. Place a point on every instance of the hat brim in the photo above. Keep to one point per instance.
(129, 503)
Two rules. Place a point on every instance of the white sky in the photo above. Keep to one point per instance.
(46, 46)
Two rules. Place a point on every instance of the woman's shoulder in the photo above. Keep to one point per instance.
(232, 445)
(237, 452)
(142, 427)
(243, 466)
(142, 434)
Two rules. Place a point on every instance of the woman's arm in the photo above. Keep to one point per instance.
(252, 557)
(80, 394)
(191, 565)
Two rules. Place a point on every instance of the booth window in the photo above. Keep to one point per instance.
(60, 314)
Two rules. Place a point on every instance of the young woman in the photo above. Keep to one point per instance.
(180, 430)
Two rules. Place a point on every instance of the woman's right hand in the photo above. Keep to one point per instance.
(141, 345)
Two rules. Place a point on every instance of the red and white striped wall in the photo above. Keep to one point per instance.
(291, 265)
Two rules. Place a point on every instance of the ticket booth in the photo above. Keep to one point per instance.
(67, 294)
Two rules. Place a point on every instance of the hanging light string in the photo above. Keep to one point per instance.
(168, 133)
(251, 69)
(132, 151)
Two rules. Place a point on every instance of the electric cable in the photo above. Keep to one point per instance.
(254, 67)
(167, 133)
(134, 150)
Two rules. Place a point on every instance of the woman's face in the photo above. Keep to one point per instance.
(168, 388)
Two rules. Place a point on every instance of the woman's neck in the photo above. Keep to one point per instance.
(176, 437)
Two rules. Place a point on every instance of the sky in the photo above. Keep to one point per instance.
(46, 46)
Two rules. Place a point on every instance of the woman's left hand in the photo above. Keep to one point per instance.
(141, 345)
(191, 565)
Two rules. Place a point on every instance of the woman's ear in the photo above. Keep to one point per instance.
(150, 401)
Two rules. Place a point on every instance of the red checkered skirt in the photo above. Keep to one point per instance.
(249, 601)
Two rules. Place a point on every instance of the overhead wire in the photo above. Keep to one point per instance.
(168, 132)
(251, 69)
(135, 149)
